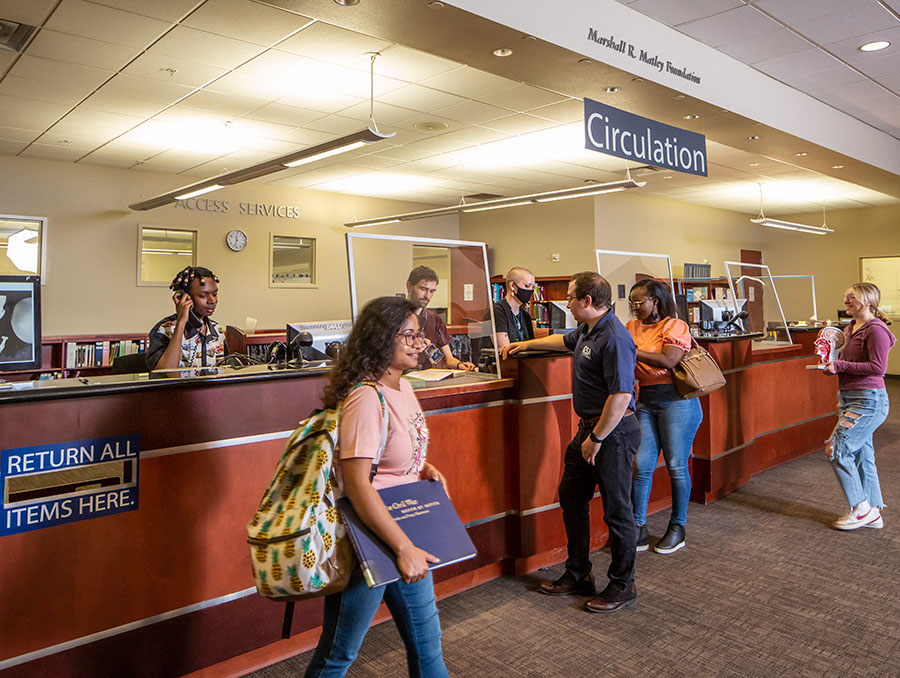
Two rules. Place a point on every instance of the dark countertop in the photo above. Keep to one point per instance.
(729, 337)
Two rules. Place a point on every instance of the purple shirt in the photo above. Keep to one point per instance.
(864, 356)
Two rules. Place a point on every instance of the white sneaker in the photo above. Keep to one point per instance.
(857, 519)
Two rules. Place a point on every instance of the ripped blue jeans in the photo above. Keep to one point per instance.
(850, 448)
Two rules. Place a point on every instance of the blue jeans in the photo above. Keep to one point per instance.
(670, 422)
(860, 413)
(349, 613)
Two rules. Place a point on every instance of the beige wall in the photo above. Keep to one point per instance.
(834, 258)
(92, 245)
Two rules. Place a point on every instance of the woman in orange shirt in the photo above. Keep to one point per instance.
(668, 421)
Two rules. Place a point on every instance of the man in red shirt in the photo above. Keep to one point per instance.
(420, 287)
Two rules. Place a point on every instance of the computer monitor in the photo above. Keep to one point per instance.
(20, 322)
(560, 316)
(323, 334)
(714, 309)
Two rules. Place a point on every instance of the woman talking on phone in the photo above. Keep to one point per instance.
(385, 341)
(189, 337)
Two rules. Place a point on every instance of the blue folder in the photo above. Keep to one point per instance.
(424, 512)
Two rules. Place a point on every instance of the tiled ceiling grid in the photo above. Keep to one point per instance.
(198, 88)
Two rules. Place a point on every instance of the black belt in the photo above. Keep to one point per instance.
(592, 422)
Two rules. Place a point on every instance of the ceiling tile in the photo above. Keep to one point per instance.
(332, 44)
(32, 12)
(85, 51)
(107, 160)
(411, 65)
(143, 88)
(36, 119)
(69, 141)
(95, 124)
(849, 49)
(889, 64)
(384, 113)
(520, 124)
(248, 21)
(320, 99)
(793, 12)
(15, 134)
(412, 134)
(472, 112)
(113, 103)
(862, 18)
(811, 60)
(59, 72)
(76, 17)
(156, 66)
(225, 105)
(523, 98)
(851, 92)
(305, 137)
(843, 75)
(168, 10)
(42, 91)
(216, 50)
(6, 58)
(285, 115)
(418, 98)
(675, 13)
(253, 86)
(766, 46)
(565, 112)
(468, 82)
(336, 125)
(51, 152)
(175, 161)
(731, 26)
(473, 135)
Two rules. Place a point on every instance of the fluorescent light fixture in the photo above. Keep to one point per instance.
(327, 154)
(199, 191)
(279, 164)
(516, 201)
(791, 226)
(496, 207)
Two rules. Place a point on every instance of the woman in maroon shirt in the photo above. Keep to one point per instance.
(862, 406)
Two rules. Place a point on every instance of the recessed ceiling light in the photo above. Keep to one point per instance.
(431, 125)
(801, 154)
(874, 46)
(668, 176)
(64, 142)
(528, 37)
(678, 96)
(611, 90)
(752, 137)
(690, 116)
(585, 61)
(502, 52)
(837, 167)
(637, 80)
(753, 164)
(435, 4)
(346, 3)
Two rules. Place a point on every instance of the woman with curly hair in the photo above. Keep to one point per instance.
(189, 337)
(385, 341)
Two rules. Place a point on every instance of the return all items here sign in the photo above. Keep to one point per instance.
(59, 483)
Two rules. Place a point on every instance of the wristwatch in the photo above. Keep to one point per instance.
(595, 438)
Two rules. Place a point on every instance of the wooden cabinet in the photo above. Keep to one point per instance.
(254, 345)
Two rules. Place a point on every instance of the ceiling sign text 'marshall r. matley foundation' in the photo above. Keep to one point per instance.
(632, 137)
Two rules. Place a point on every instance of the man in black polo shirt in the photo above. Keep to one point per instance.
(603, 449)
(513, 323)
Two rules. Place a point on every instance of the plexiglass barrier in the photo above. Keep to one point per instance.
(380, 266)
(623, 269)
(753, 291)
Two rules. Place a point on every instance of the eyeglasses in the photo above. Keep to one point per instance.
(409, 337)
(638, 304)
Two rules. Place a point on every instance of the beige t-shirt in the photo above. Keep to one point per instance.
(407, 439)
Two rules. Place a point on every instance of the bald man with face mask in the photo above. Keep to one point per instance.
(513, 323)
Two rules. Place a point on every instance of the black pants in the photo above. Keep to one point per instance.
(611, 471)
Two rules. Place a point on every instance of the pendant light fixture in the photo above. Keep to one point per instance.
(763, 220)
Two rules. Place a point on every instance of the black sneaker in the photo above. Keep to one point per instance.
(672, 540)
(566, 585)
(643, 539)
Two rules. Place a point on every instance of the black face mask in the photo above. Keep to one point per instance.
(524, 295)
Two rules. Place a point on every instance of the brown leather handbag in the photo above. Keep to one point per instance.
(697, 373)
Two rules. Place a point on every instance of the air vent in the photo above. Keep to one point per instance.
(13, 35)
(478, 197)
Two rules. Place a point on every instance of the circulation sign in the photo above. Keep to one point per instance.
(632, 137)
(61, 483)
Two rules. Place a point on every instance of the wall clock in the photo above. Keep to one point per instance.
(236, 240)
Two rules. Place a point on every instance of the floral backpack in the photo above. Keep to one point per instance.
(299, 547)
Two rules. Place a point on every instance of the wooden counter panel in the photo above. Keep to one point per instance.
(545, 430)
(472, 450)
(540, 377)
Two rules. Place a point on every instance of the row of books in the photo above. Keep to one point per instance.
(100, 353)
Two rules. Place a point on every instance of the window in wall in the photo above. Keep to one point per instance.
(884, 272)
(22, 245)
(162, 252)
(292, 261)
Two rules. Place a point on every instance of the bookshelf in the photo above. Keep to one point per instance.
(69, 356)
(546, 288)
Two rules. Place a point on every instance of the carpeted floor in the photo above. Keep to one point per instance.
(764, 588)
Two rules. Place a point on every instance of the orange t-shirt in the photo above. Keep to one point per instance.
(652, 338)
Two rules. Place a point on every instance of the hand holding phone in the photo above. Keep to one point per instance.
(184, 309)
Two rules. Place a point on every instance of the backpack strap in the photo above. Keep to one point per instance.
(384, 427)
